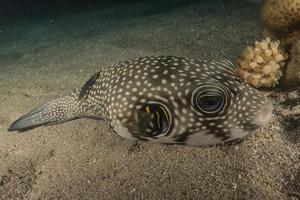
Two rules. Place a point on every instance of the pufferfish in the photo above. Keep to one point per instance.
(162, 99)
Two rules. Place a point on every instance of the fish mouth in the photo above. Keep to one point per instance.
(259, 120)
(264, 116)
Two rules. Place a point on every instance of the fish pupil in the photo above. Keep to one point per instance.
(210, 103)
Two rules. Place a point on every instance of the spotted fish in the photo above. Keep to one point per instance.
(163, 99)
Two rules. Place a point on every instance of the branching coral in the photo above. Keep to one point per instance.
(261, 65)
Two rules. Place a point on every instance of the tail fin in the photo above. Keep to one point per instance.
(58, 110)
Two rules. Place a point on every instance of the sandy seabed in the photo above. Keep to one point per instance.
(83, 159)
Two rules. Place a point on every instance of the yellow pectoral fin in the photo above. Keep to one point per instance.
(148, 109)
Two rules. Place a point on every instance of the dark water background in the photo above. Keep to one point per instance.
(15, 10)
(49, 21)
(18, 9)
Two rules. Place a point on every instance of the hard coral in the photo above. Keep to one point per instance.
(260, 66)
(281, 15)
(281, 20)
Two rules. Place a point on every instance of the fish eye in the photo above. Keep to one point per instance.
(210, 99)
(210, 103)
(159, 120)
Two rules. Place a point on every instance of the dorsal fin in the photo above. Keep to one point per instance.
(88, 85)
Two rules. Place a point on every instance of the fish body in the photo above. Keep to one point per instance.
(164, 99)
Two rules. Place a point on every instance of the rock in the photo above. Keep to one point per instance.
(292, 75)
